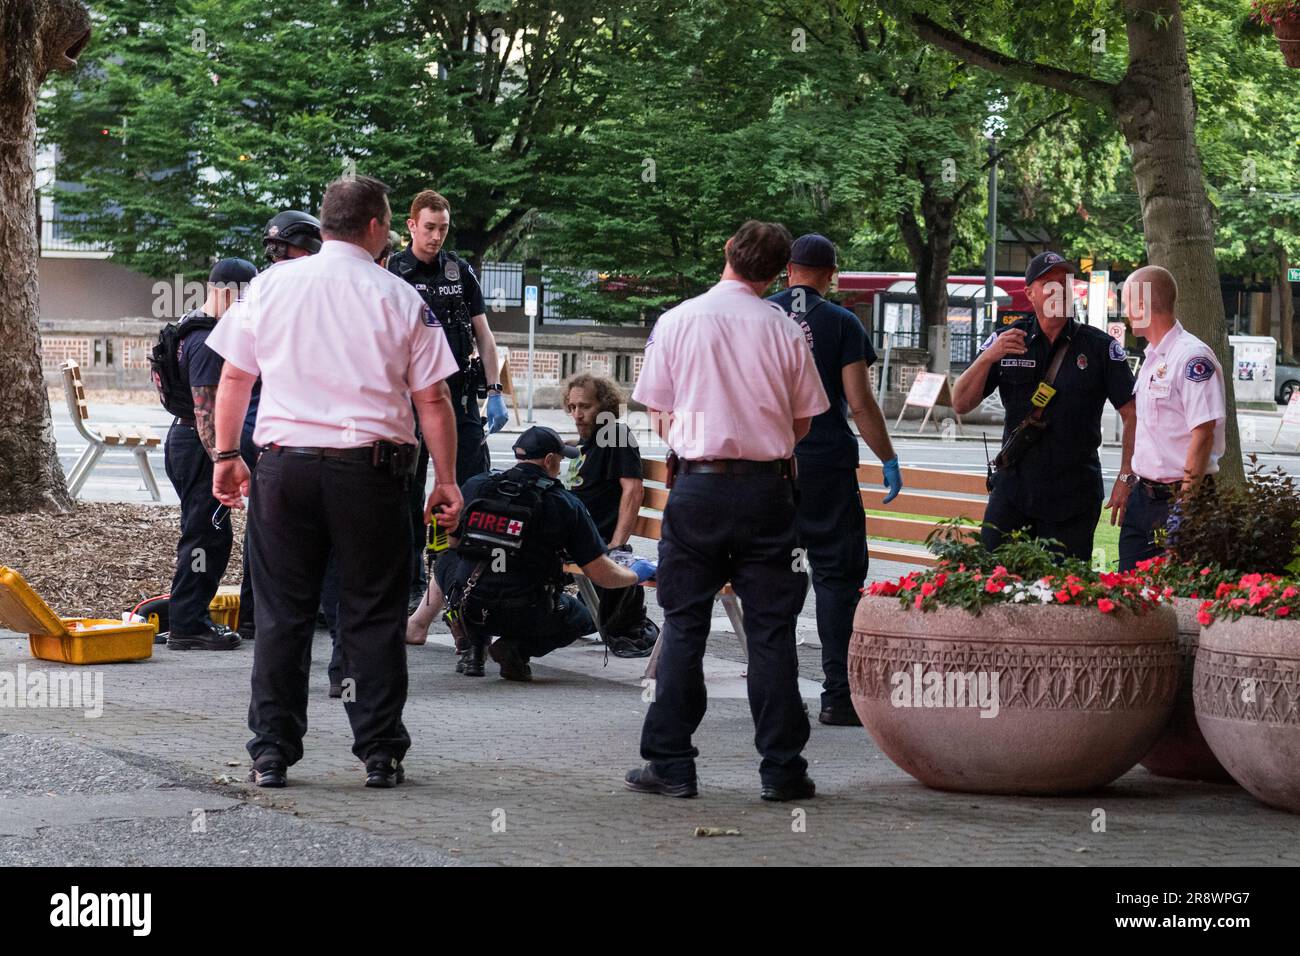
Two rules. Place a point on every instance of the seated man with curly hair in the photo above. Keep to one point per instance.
(606, 477)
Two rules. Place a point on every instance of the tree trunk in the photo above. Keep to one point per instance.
(1157, 115)
(35, 37)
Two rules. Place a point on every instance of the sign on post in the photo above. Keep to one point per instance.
(929, 389)
(1293, 275)
(530, 310)
(1098, 293)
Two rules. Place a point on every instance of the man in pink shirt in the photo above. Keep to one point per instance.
(1181, 412)
(731, 383)
(343, 348)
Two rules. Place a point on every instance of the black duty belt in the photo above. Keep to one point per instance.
(736, 466)
(365, 453)
(187, 422)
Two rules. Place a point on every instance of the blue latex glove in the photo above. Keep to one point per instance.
(496, 413)
(893, 479)
(643, 570)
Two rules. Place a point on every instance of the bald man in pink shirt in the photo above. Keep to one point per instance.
(731, 383)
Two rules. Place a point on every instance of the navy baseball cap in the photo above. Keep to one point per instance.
(540, 441)
(813, 250)
(1044, 262)
(233, 270)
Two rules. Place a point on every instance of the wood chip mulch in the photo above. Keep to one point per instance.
(101, 559)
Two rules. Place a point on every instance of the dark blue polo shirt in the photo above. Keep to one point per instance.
(837, 339)
(202, 367)
(1060, 476)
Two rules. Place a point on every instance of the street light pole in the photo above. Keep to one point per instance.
(991, 256)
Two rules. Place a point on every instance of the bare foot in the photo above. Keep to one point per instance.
(417, 632)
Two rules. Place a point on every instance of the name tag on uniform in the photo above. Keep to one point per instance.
(1043, 395)
(1157, 388)
(1012, 361)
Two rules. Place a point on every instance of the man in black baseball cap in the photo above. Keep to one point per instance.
(512, 535)
(1054, 376)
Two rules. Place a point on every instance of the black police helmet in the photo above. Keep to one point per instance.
(293, 228)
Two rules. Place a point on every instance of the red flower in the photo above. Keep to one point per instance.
(940, 579)
(1283, 611)
(917, 603)
(1222, 590)
(1105, 605)
(1250, 580)
(1289, 592)
(992, 586)
(1063, 596)
(926, 590)
(1236, 602)
(1205, 617)
(1204, 571)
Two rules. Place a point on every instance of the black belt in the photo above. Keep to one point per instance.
(736, 466)
(187, 422)
(365, 453)
(1164, 490)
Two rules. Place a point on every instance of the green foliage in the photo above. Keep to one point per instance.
(1254, 527)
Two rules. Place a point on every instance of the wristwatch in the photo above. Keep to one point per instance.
(226, 455)
(498, 387)
(1128, 478)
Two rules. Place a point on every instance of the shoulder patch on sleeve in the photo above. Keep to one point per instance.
(1117, 351)
(988, 341)
(1199, 369)
(430, 319)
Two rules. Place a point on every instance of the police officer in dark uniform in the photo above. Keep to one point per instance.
(203, 550)
(506, 575)
(832, 529)
(1054, 375)
(450, 288)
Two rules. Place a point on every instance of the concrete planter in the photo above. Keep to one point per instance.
(1247, 696)
(1081, 695)
(1181, 751)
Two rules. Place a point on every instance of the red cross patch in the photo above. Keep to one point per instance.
(515, 527)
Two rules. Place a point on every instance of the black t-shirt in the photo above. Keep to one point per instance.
(442, 293)
(560, 525)
(837, 339)
(1060, 476)
(202, 367)
(593, 477)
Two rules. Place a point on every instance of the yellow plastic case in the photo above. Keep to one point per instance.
(224, 608)
(69, 640)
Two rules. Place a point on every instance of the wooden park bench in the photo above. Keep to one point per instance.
(933, 496)
(100, 438)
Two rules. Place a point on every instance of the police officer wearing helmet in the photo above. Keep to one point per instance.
(290, 235)
(732, 386)
(344, 350)
(1054, 375)
(505, 576)
(450, 288)
(203, 550)
(832, 529)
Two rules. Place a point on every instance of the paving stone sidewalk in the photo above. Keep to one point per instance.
(506, 773)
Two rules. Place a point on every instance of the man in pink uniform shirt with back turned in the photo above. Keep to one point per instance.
(731, 384)
(343, 348)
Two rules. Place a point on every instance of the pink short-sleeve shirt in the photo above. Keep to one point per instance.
(735, 372)
(340, 344)
(1179, 386)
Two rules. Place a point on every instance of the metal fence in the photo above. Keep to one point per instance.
(503, 284)
(57, 235)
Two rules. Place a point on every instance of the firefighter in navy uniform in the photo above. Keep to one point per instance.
(449, 287)
(1055, 375)
(505, 576)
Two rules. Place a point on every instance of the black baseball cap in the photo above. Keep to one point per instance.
(540, 441)
(1044, 262)
(813, 250)
(232, 270)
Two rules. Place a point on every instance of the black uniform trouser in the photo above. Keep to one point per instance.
(202, 551)
(472, 458)
(329, 602)
(1002, 516)
(740, 529)
(833, 533)
(304, 507)
(1144, 515)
